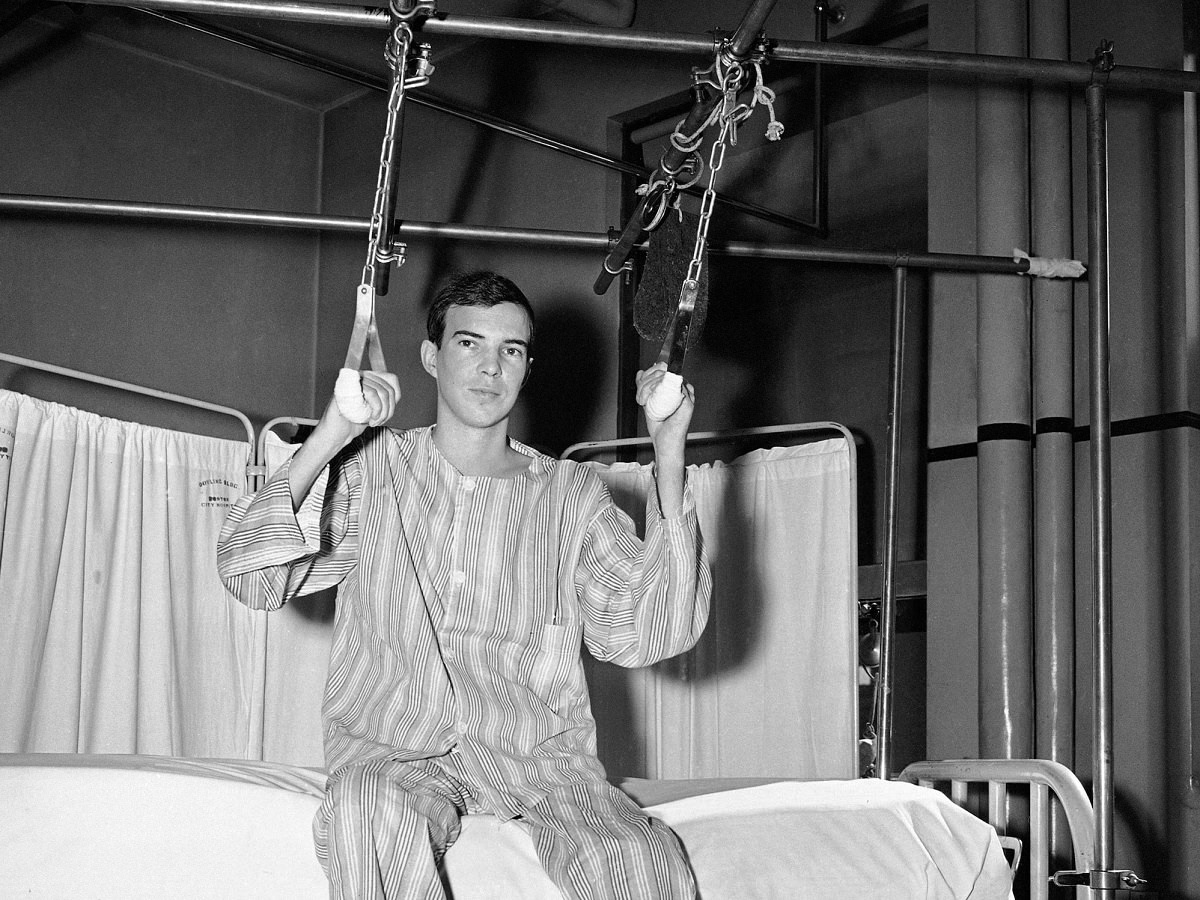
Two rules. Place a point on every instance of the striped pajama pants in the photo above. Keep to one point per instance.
(384, 825)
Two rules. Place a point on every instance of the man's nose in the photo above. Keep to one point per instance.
(490, 364)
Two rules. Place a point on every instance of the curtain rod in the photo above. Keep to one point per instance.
(933, 61)
(716, 436)
(132, 388)
(580, 240)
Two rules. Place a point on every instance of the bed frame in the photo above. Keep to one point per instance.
(127, 826)
(1039, 787)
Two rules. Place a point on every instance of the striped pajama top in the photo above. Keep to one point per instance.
(464, 604)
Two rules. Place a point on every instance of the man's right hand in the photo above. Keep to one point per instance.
(377, 393)
(380, 392)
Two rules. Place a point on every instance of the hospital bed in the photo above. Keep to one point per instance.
(129, 826)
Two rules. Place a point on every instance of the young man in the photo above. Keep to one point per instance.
(472, 571)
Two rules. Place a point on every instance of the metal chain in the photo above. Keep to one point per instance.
(716, 158)
(396, 53)
(397, 57)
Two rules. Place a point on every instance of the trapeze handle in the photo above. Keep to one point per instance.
(665, 398)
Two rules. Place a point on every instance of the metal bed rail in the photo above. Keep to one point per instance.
(697, 437)
(146, 392)
(1046, 780)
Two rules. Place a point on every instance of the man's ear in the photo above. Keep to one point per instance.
(528, 371)
(429, 356)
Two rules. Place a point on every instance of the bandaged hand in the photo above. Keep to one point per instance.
(665, 398)
(365, 398)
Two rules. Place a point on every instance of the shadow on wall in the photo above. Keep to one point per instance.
(648, 713)
(565, 382)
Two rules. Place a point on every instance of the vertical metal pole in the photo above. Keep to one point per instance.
(1101, 473)
(1004, 435)
(887, 613)
(1054, 406)
(820, 165)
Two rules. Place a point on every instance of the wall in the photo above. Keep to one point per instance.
(219, 313)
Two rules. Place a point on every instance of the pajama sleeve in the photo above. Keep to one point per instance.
(268, 553)
(643, 600)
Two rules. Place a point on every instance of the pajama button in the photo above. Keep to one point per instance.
(459, 577)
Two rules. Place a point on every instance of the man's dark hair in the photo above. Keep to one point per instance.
(484, 289)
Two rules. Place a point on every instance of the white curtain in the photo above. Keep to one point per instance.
(116, 635)
(771, 688)
(298, 641)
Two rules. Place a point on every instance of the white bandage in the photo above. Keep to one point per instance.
(665, 399)
(1050, 267)
(348, 394)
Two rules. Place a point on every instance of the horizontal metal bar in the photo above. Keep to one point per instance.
(430, 101)
(214, 214)
(938, 261)
(774, 431)
(131, 388)
(932, 61)
(582, 240)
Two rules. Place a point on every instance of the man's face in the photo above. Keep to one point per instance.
(481, 364)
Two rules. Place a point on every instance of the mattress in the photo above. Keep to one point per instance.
(152, 827)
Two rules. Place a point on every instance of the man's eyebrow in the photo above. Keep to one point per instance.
(474, 334)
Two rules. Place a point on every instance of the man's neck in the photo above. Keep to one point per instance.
(476, 451)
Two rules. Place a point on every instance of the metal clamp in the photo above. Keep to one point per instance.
(1103, 62)
(1098, 879)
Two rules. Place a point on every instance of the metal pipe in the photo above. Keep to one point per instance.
(941, 62)
(175, 212)
(944, 262)
(1004, 457)
(887, 604)
(1101, 474)
(820, 142)
(704, 101)
(746, 35)
(1188, 628)
(1054, 404)
(423, 98)
(581, 240)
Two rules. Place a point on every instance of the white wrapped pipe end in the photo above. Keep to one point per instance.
(665, 399)
(1050, 267)
(348, 394)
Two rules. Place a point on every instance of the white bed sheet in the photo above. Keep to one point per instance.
(133, 827)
